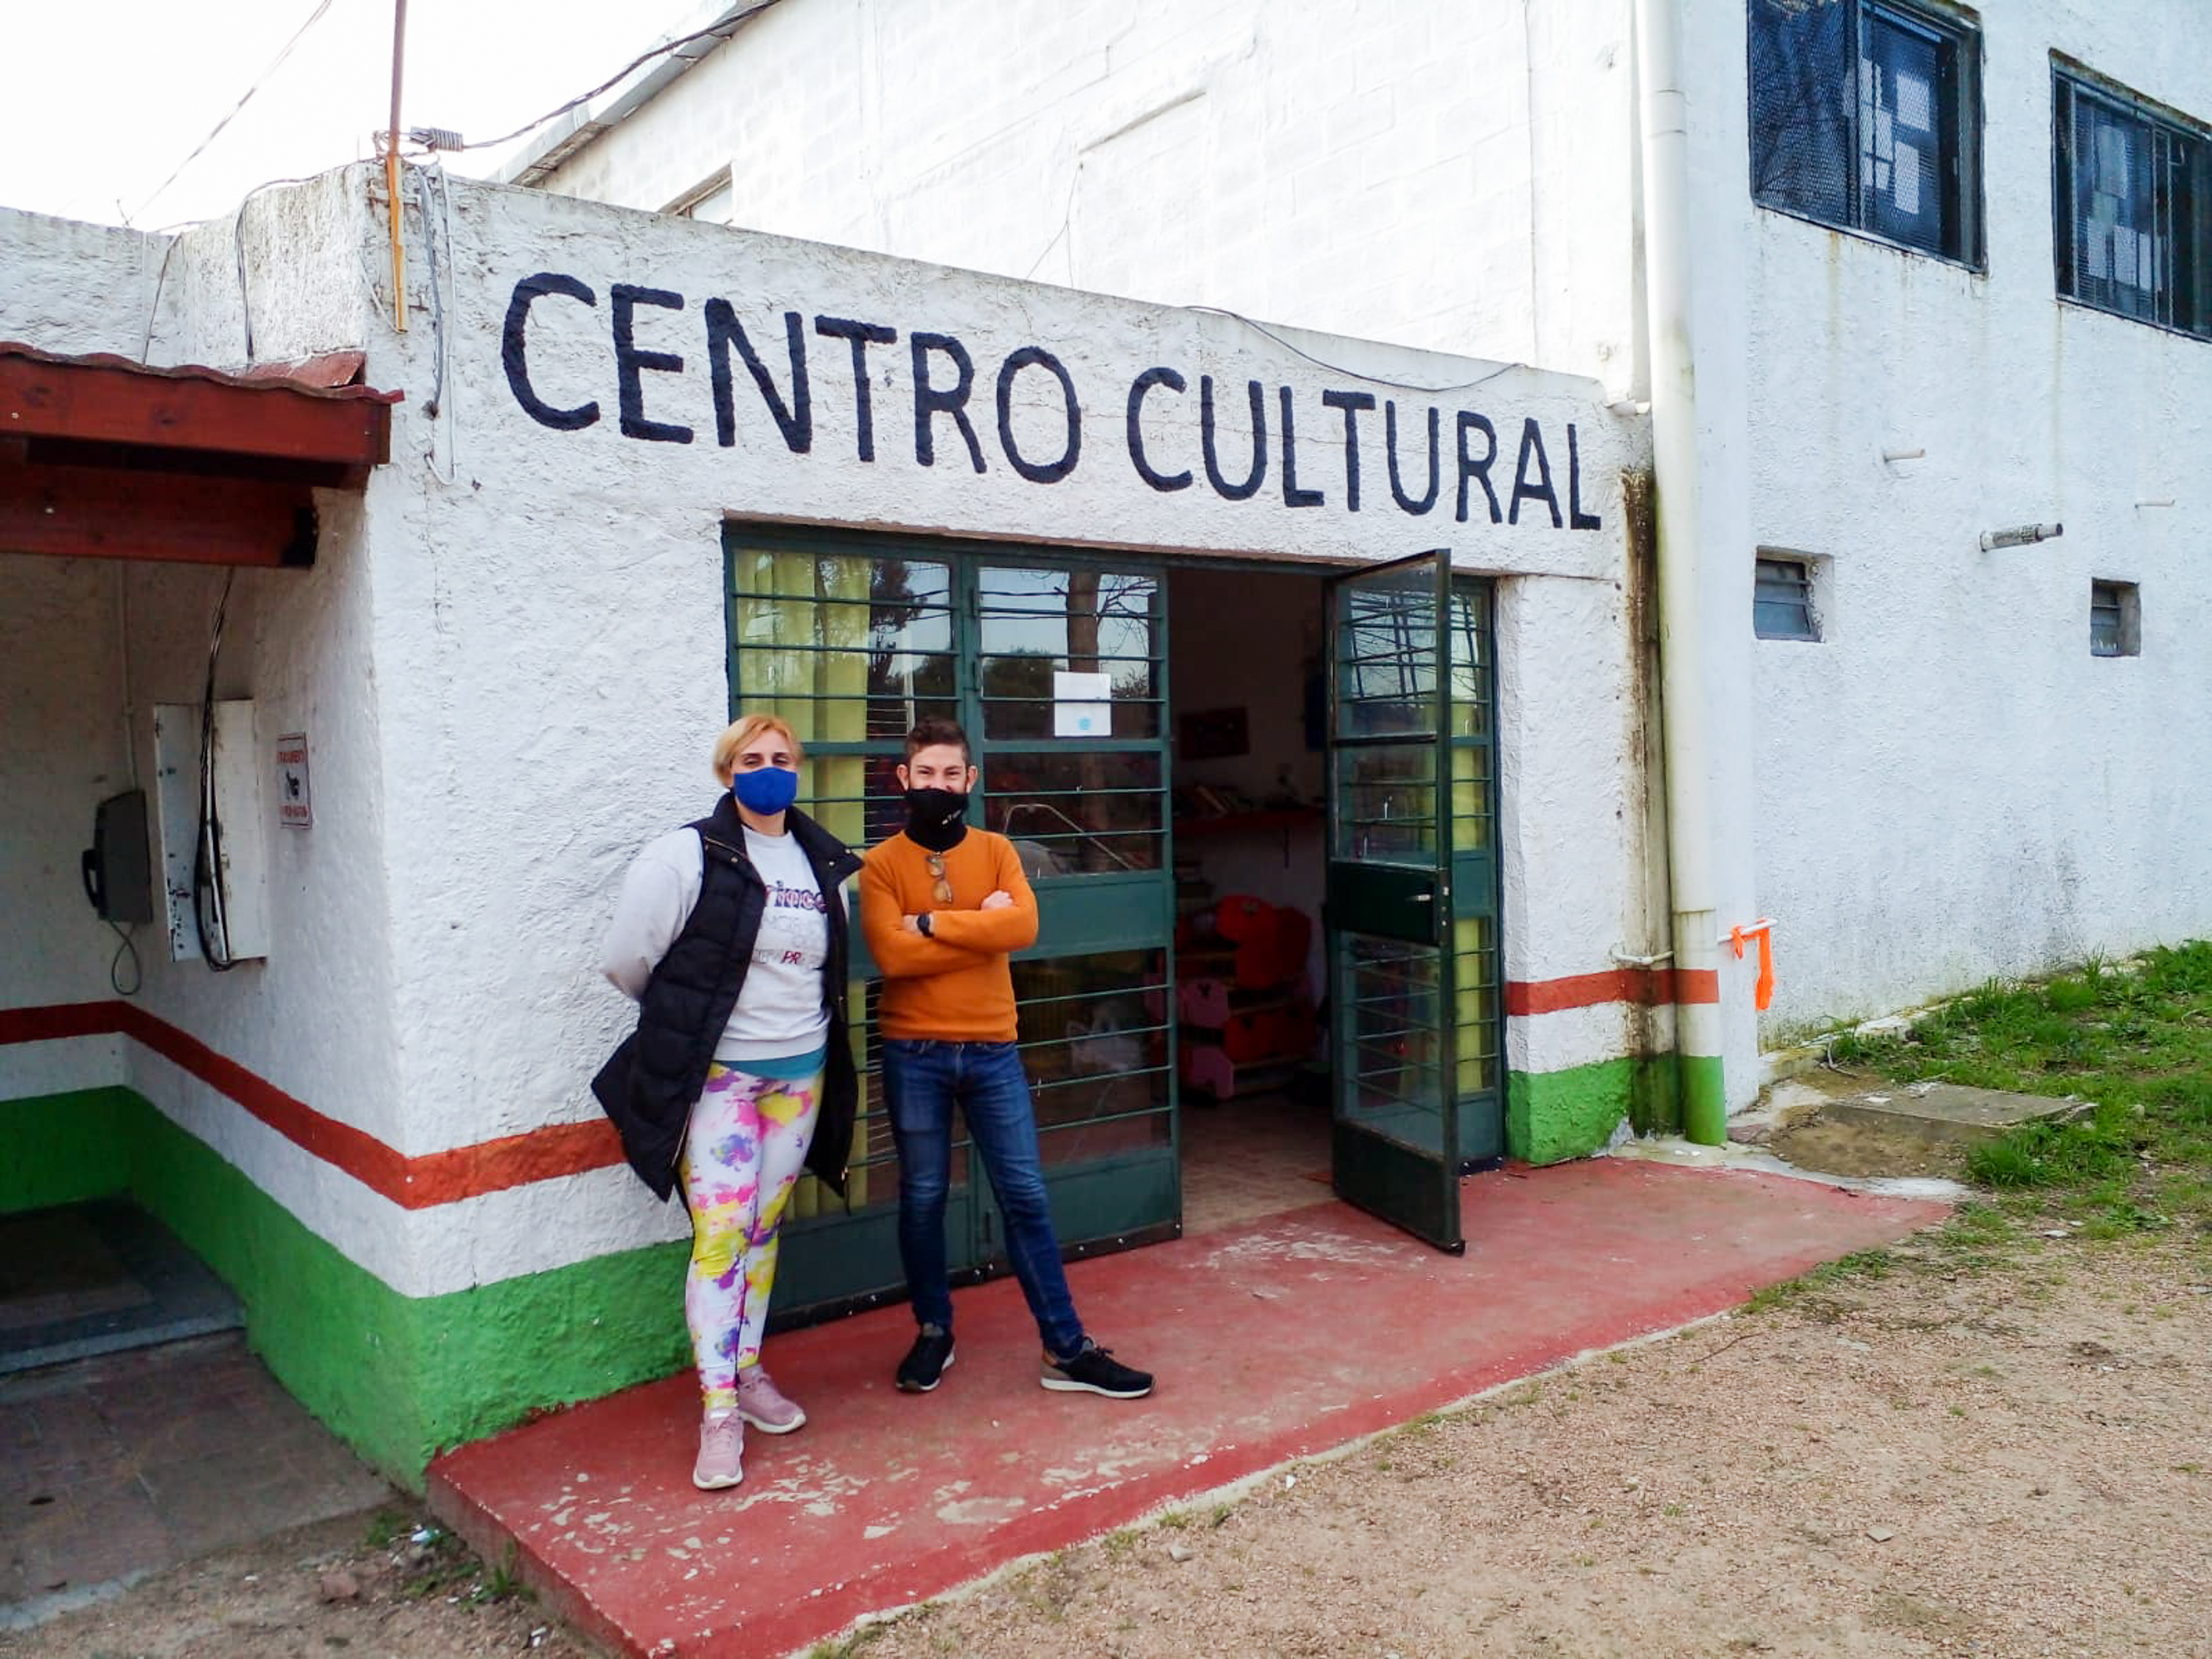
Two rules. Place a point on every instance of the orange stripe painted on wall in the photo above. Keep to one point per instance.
(414, 1183)
(430, 1179)
(1649, 987)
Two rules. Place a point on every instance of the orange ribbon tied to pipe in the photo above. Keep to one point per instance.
(1763, 930)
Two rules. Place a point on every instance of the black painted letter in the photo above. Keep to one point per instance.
(1351, 403)
(631, 363)
(928, 401)
(1292, 495)
(795, 421)
(1471, 468)
(514, 353)
(1259, 474)
(1532, 443)
(862, 336)
(1576, 518)
(1390, 447)
(1050, 471)
(1144, 383)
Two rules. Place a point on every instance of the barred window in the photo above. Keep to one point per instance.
(2115, 620)
(1864, 116)
(1782, 600)
(2133, 204)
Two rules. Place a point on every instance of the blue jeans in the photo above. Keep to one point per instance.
(923, 1080)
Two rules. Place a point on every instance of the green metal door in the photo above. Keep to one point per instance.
(1412, 906)
(853, 638)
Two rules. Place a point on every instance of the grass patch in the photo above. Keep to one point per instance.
(2132, 1046)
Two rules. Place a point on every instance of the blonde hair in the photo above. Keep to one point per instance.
(740, 733)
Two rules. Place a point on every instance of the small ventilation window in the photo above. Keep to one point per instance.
(2115, 620)
(1782, 600)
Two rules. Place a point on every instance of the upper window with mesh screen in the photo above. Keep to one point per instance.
(2132, 203)
(1865, 116)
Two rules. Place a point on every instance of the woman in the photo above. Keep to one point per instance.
(730, 934)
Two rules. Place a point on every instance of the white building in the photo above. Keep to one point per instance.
(892, 448)
(643, 471)
(1988, 763)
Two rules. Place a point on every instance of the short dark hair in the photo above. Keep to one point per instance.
(933, 730)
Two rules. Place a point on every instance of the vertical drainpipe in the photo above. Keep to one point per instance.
(1682, 672)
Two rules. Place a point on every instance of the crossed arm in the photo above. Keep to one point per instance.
(1006, 921)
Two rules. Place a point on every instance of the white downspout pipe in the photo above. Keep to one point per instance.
(1682, 668)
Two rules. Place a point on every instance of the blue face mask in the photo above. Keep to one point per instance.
(768, 791)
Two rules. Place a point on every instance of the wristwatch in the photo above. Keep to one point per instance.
(921, 926)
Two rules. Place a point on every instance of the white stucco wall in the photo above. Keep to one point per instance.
(88, 647)
(551, 659)
(1950, 787)
(1457, 177)
(62, 751)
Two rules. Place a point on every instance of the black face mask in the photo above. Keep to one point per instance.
(937, 818)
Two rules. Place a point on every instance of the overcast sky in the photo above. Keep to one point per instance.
(106, 97)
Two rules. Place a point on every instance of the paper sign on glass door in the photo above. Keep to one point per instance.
(1081, 705)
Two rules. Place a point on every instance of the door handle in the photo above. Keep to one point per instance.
(1422, 898)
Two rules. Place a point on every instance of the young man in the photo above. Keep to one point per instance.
(943, 906)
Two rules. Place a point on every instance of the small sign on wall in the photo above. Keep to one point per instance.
(295, 805)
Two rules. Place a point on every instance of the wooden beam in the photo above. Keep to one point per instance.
(115, 403)
(96, 512)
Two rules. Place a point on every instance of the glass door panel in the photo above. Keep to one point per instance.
(853, 638)
(1393, 981)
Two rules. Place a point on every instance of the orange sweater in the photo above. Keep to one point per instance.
(955, 985)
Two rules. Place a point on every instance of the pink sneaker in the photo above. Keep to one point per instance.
(762, 1404)
(722, 1451)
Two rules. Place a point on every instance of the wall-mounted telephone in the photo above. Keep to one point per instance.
(119, 875)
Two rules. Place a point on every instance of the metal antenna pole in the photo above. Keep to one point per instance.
(391, 170)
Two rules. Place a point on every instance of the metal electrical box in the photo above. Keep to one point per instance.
(230, 859)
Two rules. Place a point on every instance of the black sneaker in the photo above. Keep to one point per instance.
(1093, 1369)
(926, 1362)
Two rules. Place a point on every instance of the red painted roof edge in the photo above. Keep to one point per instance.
(324, 376)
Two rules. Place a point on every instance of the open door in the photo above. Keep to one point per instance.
(1395, 1026)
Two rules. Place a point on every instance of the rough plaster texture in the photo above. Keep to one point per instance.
(1456, 177)
(1466, 176)
(510, 656)
(88, 648)
(604, 617)
(77, 288)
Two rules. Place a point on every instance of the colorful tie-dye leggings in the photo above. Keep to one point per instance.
(742, 1155)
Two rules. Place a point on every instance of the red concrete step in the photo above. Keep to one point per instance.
(1273, 1340)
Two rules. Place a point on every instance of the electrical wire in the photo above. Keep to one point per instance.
(207, 846)
(238, 250)
(721, 30)
(128, 946)
(435, 407)
(146, 349)
(1357, 374)
(276, 64)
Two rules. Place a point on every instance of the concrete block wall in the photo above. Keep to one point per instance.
(1454, 177)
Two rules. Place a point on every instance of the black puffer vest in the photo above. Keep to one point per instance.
(649, 1086)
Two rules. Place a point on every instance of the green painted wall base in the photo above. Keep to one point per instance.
(1552, 1116)
(64, 1149)
(399, 1378)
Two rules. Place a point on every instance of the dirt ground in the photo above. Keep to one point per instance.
(1989, 1445)
(368, 1586)
(1952, 1457)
